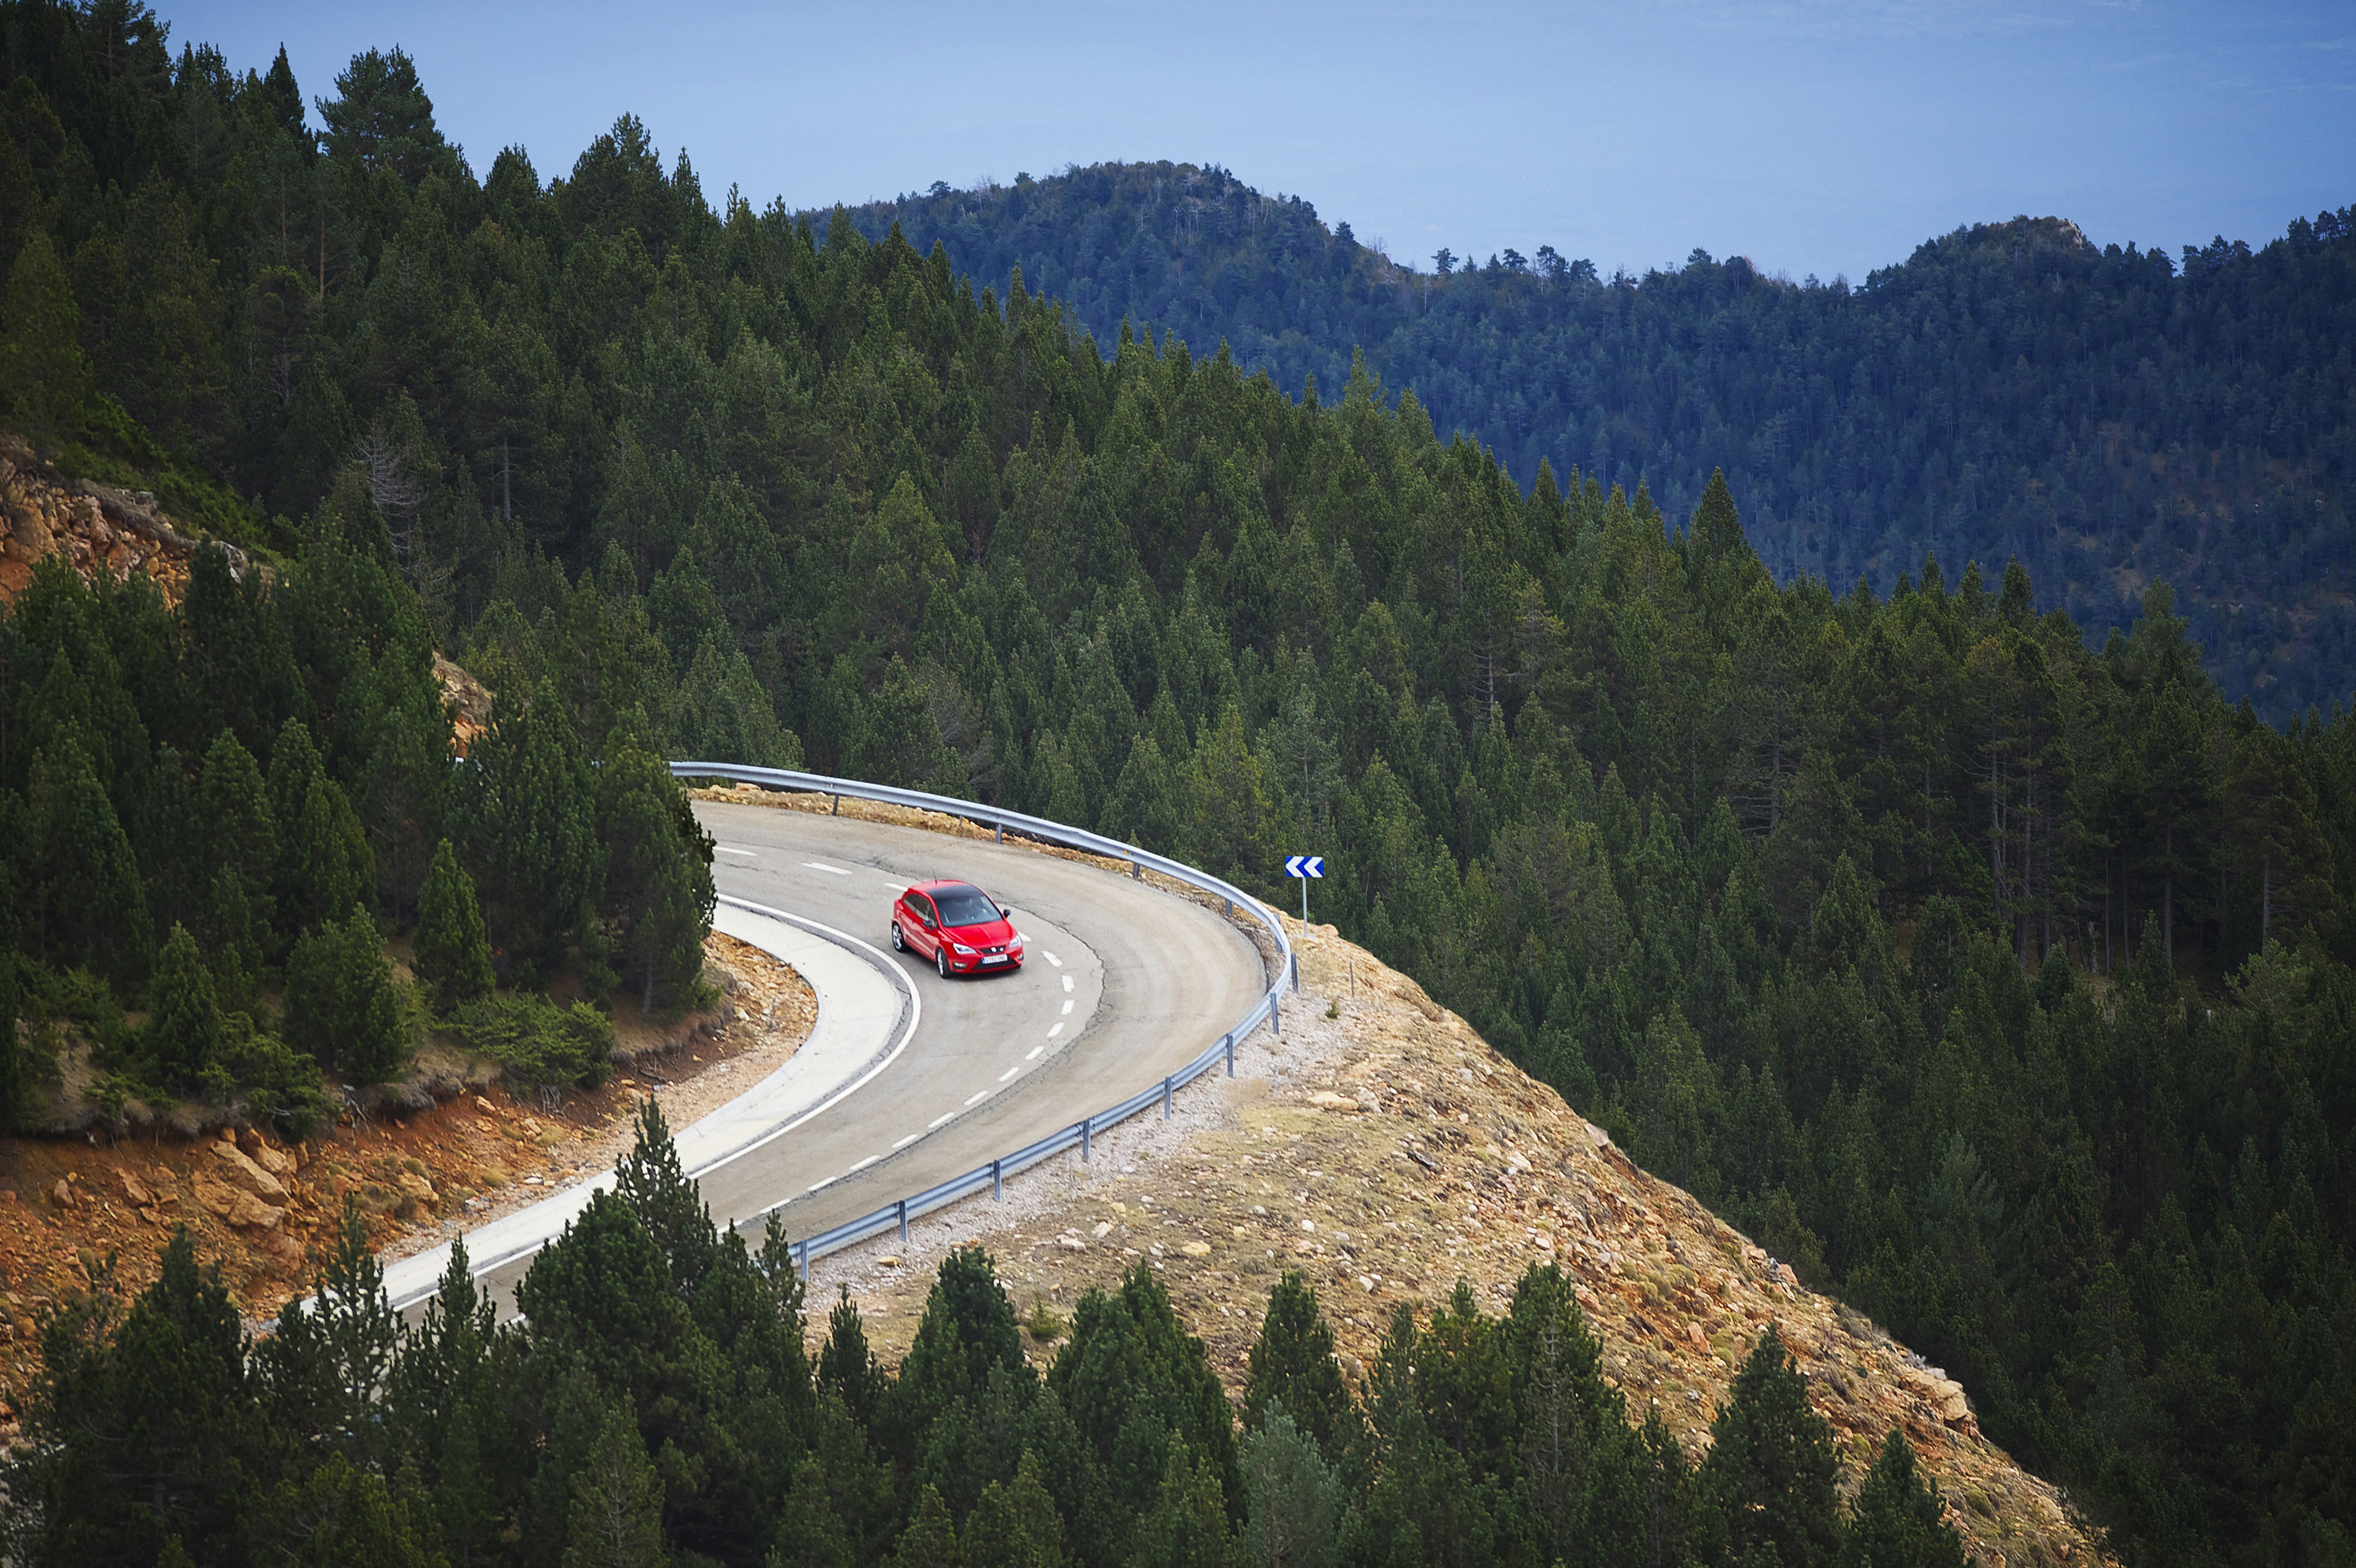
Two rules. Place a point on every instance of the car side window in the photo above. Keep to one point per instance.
(922, 906)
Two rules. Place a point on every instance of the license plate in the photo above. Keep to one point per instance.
(994, 958)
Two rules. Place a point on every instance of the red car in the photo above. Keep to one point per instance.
(959, 926)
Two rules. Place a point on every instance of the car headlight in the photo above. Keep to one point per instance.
(963, 949)
(1014, 944)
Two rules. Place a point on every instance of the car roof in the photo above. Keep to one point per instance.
(935, 884)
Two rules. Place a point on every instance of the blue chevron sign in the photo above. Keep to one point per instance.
(1304, 865)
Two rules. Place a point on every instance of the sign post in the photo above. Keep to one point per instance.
(1304, 867)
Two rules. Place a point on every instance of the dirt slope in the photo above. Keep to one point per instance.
(1386, 1152)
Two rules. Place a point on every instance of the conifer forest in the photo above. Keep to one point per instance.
(1995, 975)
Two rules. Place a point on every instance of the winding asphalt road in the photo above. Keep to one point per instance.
(1123, 985)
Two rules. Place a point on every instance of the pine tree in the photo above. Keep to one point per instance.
(1292, 1361)
(1897, 1520)
(453, 950)
(1565, 1415)
(670, 1206)
(967, 1331)
(658, 879)
(724, 716)
(84, 902)
(930, 1541)
(899, 739)
(534, 825)
(616, 1515)
(439, 1402)
(1771, 1467)
(184, 1028)
(1292, 1500)
(847, 1366)
(163, 1395)
(241, 858)
(335, 867)
(43, 377)
(323, 861)
(341, 1514)
(1015, 1525)
(340, 1005)
(1187, 1525)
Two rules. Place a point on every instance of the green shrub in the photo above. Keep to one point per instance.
(536, 1042)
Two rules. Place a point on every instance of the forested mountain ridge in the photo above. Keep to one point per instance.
(1999, 981)
(2108, 417)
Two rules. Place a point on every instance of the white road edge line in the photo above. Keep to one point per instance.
(863, 1164)
(1032, 1054)
(1009, 1073)
(976, 1099)
(734, 850)
(937, 1121)
(829, 870)
(904, 1143)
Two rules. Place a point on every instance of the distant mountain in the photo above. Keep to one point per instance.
(2108, 416)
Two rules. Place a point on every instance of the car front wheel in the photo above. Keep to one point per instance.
(941, 962)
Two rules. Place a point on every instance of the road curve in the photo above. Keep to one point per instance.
(1125, 984)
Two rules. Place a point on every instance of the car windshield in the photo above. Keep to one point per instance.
(964, 906)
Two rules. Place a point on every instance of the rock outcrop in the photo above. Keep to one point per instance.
(97, 528)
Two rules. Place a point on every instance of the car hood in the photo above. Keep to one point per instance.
(989, 933)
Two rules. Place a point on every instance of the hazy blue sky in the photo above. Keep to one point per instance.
(1812, 136)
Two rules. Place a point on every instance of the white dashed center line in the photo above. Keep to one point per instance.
(976, 1098)
(1057, 1030)
(1009, 1073)
(733, 849)
(1067, 1006)
(1032, 1054)
(904, 1143)
(1053, 959)
(829, 870)
(1067, 982)
(937, 1121)
(862, 1164)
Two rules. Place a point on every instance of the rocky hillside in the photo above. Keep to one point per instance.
(98, 529)
(1386, 1151)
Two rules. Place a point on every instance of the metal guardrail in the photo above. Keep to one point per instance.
(1081, 1133)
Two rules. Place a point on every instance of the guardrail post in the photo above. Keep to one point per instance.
(996, 1191)
(1296, 973)
(837, 806)
(801, 1255)
(1165, 1099)
(1083, 1142)
(1136, 871)
(1228, 1041)
(903, 1206)
(999, 829)
(1275, 1024)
